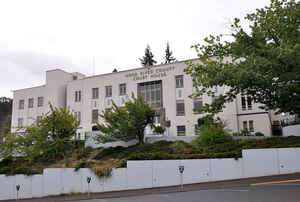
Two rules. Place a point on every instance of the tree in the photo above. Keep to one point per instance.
(262, 61)
(5, 114)
(147, 60)
(169, 55)
(126, 123)
(49, 138)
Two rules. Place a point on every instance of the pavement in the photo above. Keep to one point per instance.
(279, 188)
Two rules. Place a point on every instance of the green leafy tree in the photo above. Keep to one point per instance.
(47, 139)
(5, 114)
(128, 122)
(169, 58)
(148, 59)
(261, 61)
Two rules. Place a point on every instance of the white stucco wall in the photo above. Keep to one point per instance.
(291, 130)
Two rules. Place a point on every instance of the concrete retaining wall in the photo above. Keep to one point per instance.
(156, 173)
(291, 130)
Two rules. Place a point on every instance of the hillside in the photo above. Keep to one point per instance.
(162, 150)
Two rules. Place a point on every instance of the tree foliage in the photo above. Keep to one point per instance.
(128, 122)
(49, 138)
(148, 59)
(5, 115)
(262, 61)
(169, 58)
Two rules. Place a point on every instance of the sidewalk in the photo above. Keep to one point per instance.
(171, 189)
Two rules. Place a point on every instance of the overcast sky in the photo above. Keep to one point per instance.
(36, 36)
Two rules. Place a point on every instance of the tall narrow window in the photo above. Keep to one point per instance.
(180, 108)
(20, 122)
(198, 104)
(78, 116)
(180, 130)
(243, 102)
(95, 93)
(108, 91)
(78, 96)
(251, 126)
(95, 116)
(122, 89)
(40, 101)
(30, 102)
(21, 104)
(179, 81)
(38, 118)
(249, 103)
(245, 127)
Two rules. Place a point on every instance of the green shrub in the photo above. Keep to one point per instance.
(211, 135)
(82, 165)
(259, 134)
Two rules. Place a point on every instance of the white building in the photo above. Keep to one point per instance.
(165, 87)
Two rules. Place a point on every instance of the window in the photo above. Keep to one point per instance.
(198, 104)
(179, 81)
(122, 89)
(179, 93)
(151, 92)
(95, 93)
(245, 127)
(246, 100)
(251, 126)
(180, 108)
(108, 91)
(78, 96)
(21, 104)
(40, 101)
(95, 116)
(180, 130)
(78, 116)
(249, 103)
(243, 103)
(38, 118)
(20, 122)
(30, 103)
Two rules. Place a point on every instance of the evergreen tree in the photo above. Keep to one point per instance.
(169, 58)
(147, 59)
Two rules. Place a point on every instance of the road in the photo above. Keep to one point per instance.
(283, 192)
(282, 188)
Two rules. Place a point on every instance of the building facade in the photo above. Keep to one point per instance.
(165, 87)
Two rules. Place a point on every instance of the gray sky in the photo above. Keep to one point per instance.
(39, 35)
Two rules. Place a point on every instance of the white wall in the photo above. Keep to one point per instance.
(291, 130)
(156, 173)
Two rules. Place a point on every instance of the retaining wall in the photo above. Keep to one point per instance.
(156, 173)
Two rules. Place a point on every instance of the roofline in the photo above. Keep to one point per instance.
(57, 69)
(139, 68)
(29, 88)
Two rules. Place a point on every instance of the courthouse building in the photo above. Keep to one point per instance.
(165, 87)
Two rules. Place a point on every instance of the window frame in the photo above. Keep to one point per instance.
(40, 101)
(180, 113)
(95, 93)
(179, 82)
(122, 89)
(183, 131)
(108, 91)
(95, 120)
(30, 102)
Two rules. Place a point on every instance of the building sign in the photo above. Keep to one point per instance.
(150, 73)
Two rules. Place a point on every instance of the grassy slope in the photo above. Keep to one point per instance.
(116, 157)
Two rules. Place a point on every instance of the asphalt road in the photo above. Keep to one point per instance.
(281, 188)
(287, 192)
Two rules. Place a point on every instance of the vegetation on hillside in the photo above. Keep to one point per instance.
(5, 115)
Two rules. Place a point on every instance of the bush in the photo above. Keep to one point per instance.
(82, 165)
(102, 172)
(259, 134)
(211, 135)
